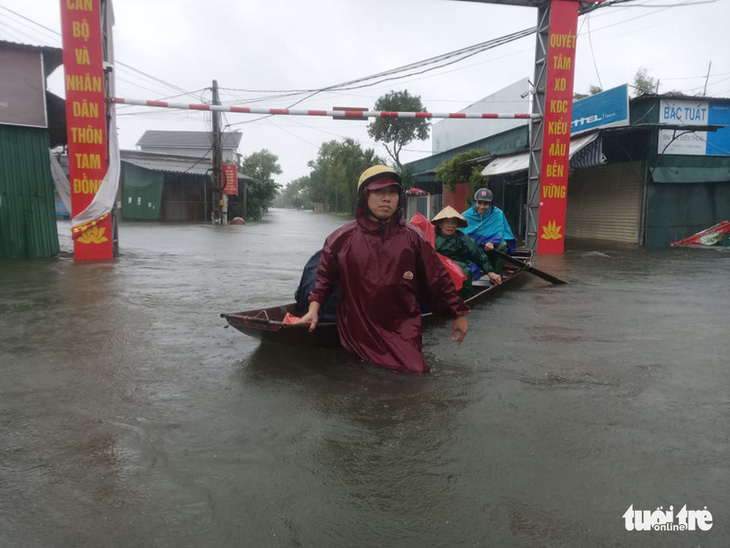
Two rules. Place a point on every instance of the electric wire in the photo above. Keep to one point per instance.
(427, 65)
(117, 62)
(348, 85)
(593, 54)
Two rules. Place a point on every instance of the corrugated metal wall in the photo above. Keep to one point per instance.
(676, 210)
(184, 198)
(27, 216)
(142, 193)
(604, 203)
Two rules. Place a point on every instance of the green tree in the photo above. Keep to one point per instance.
(335, 171)
(462, 168)
(643, 83)
(592, 90)
(261, 166)
(295, 195)
(395, 133)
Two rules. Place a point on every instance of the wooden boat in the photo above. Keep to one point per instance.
(266, 323)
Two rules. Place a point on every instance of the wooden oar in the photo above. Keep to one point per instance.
(528, 268)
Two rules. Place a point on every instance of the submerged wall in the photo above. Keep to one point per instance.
(27, 214)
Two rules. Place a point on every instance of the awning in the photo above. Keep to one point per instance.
(168, 163)
(521, 161)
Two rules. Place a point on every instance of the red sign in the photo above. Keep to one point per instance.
(86, 120)
(556, 128)
(230, 179)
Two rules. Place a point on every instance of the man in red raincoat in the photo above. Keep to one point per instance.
(383, 266)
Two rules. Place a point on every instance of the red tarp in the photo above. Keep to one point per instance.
(711, 236)
(429, 231)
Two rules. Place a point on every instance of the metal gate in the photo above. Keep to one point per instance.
(604, 203)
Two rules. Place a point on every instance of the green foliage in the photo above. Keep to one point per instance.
(406, 175)
(295, 195)
(644, 83)
(395, 133)
(461, 169)
(335, 171)
(261, 191)
(592, 90)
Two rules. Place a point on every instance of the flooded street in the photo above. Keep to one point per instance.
(131, 417)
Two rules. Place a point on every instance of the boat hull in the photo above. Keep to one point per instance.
(267, 324)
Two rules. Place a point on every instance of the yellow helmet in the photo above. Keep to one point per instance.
(377, 172)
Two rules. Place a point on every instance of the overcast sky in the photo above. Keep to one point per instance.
(257, 49)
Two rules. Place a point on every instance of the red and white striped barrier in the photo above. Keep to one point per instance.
(333, 113)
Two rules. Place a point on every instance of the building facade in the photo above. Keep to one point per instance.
(32, 120)
(169, 180)
(655, 175)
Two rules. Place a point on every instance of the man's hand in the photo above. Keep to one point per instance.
(311, 317)
(488, 246)
(495, 278)
(460, 329)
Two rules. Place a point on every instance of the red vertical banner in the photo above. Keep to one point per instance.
(230, 178)
(86, 121)
(556, 126)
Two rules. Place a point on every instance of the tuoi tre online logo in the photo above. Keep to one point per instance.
(661, 520)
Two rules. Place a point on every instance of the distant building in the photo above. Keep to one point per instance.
(197, 144)
(449, 134)
(169, 180)
(647, 171)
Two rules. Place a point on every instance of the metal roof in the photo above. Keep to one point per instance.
(52, 57)
(676, 95)
(187, 139)
(521, 160)
(168, 163)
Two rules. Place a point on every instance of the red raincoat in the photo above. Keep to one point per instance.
(382, 270)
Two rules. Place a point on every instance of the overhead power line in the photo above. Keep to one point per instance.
(120, 63)
(405, 71)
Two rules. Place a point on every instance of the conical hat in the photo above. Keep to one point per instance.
(450, 213)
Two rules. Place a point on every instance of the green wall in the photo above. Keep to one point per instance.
(142, 193)
(678, 210)
(27, 210)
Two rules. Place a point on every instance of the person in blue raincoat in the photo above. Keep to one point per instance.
(489, 227)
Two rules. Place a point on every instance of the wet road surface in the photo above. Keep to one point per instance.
(131, 417)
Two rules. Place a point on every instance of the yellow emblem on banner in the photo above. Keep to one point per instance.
(551, 232)
(94, 235)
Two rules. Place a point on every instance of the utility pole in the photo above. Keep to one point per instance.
(245, 195)
(537, 128)
(217, 161)
(704, 91)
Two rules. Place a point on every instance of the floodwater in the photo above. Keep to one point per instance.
(130, 417)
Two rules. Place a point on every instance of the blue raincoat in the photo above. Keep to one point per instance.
(490, 227)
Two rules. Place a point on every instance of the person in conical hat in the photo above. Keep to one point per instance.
(460, 248)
